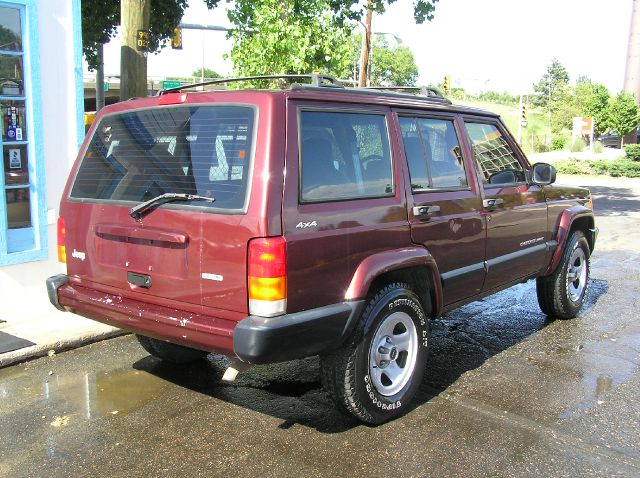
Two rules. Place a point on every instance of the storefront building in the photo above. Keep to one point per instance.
(41, 108)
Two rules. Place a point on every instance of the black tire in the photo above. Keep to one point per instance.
(558, 296)
(169, 352)
(354, 375)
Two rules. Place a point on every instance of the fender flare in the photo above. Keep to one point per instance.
(565, 223)
(392, 260)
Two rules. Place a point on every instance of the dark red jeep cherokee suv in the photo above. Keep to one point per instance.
(270, 225)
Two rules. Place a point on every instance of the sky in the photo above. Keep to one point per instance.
(500, 45)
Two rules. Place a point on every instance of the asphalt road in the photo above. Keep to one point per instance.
(507, 393)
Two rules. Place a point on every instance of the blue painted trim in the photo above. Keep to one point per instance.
(26, 256)
(35, 144)
(77, 52)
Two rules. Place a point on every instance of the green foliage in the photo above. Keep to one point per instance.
(355, 9)
(551, 85)
(598, 148)
(504, 98)
(392, 66)
(623, 113)
(572, 166)
(208, 74)
(287, 37)
(558, 143)
(632, 152)
(578, 145)
(626, 168)
(597, 105)
(616, 168)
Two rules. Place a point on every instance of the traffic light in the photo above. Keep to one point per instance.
(446, 85)
(523, 113)
(176, 41)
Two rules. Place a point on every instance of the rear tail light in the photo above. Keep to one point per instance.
(62, 250)
(267, 276)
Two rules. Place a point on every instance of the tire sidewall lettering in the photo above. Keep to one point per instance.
(413, 308)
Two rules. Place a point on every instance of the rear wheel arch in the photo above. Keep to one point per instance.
(413, 266)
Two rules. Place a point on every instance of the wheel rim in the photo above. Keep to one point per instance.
(393, 353)
(577, 275)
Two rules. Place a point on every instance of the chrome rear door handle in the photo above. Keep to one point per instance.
(423, 210)
(492, 202)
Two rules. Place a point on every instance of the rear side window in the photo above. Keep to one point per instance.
(138, 155)
(344, 156)
(433, 154)
(496, 160)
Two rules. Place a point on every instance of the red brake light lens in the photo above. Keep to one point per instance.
(62, 232)
(267, 276)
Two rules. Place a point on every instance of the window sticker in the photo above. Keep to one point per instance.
(15, 161)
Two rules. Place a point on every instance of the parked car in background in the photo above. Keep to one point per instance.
(610, 139)
(318, 220)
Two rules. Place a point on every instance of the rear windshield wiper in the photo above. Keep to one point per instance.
(138, 211)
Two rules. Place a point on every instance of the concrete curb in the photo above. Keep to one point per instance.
(42, 349)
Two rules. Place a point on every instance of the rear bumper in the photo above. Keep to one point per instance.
(258, 340)
(254, 340)
(173, 325)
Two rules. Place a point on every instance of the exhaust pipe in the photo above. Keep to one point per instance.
(232, 371)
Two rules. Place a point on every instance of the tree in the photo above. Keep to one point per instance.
(597, 105)
(208, 74)
(623, 113)
(390, 66)
(100, 20)
(287, 37)
(551, 85)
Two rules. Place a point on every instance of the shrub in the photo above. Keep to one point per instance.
(578, 145)
(600, 166)
(632, 151)
(624, 167)
(572, 166)
(558, 143)
(598, 148)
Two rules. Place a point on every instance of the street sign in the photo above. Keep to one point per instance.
(168, 84)
(105, 86)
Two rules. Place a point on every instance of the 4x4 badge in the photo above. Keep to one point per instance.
(304, 225)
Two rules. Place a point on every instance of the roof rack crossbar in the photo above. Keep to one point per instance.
(316, 80)
(429, 91)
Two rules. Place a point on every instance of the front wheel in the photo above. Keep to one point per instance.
(377, 373)
(562, 294)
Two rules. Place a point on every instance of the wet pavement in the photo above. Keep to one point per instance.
(507, 393)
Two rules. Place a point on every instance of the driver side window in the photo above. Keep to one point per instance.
(496, 160)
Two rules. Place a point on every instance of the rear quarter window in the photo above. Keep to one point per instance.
(138, 155)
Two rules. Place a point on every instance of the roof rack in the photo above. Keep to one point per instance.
(318, 80)
(430, 92)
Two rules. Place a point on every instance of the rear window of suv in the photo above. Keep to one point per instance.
(138, 155)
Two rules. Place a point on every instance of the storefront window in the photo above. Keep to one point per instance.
(18, 223)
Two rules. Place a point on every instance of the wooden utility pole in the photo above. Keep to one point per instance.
(366, 47)
(100, 78)
(134, 21)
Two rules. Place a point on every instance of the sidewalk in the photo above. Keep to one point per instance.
(56, 331)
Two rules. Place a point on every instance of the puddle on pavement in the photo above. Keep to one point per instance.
(89, 395)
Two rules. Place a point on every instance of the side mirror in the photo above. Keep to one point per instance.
(543, 173)
(503, 177)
